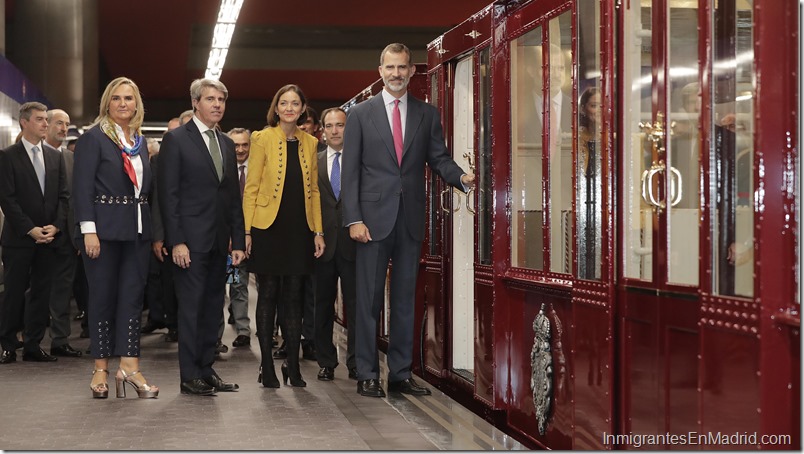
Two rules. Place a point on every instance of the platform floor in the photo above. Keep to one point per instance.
(48, 406)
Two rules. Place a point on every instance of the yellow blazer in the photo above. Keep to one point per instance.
(266, 178)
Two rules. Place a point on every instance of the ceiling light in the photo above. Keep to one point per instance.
(222, 37)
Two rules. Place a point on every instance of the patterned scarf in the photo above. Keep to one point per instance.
(108, 128)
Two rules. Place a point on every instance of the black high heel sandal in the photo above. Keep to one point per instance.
(268, 379)
(297, 382)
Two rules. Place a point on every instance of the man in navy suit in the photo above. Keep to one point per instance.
(338, 261)
(199, 199)
(33, 197)
(388, 141)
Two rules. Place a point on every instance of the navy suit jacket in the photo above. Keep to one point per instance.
(98, 171)
(372, 179)
(22, 201)
(198, 209)
(335, 234)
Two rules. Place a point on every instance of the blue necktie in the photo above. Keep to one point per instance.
(335, 178)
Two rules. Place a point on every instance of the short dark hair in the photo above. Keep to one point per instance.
(26, 110)
(329, 111)
(395, 48)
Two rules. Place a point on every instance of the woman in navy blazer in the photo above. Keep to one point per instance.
(111, 185)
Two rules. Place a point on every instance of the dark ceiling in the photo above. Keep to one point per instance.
(331, 49)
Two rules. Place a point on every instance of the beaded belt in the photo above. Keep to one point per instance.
(120, 200)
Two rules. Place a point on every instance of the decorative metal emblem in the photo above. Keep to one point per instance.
(541, 363)
(473, 34)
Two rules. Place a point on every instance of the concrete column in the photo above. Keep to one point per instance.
(55, 43)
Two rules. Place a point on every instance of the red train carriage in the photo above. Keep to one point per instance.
(627, 263)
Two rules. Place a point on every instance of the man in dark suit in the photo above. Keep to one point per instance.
(199, 199)
(33, 197)
(65, 263)
(338, 260)
(388, 141)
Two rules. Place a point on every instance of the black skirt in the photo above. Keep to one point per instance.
(286, 247)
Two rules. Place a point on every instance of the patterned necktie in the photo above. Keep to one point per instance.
(215, 152)
(242, 178)
(397, 123)
(39, 167)
(335, 177)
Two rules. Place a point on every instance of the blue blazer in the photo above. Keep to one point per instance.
(198, 209)
(373, 181)
(98, 172)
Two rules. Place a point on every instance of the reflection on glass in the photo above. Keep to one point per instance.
(588, 174)
(589, 216)
(559, 137)
(683, 164)
(527, 107)
(733, 82)
(484, 190)
(637, 87)
(434, 192)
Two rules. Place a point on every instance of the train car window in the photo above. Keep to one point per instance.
(639, 158)
(588, 168)
(559, 137)
(683, 161)
(732, 155)
(527, 112)
(483, 171)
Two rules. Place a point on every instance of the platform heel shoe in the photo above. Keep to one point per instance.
(267, 377)
(144, 391)
(101, 390)
(296, 380)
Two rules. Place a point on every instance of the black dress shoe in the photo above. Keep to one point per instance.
(18, 345)
(230, 320)
(281, 352)
(151, 326)
(308, 351)
(8, 356)
(65, 350)
(408, 386)
(370, 388)
(241, 341)
(217, 382)
(220, 347)
(274, 342)
(172, 335)
(353, 373)
(197, 387)
(326, 374)
(80, 315)
(39, 356)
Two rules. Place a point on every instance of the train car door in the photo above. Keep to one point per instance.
(687, 86)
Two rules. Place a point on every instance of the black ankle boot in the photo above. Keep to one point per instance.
(267, 376)
(295, 377)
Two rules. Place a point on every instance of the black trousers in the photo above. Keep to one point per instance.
(24, 266)
(372, 265)
(326, 292)
(116, 287)
(201, 292)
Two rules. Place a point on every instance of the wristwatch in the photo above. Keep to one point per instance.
(319, 233)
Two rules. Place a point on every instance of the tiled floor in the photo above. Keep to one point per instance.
(48, 406)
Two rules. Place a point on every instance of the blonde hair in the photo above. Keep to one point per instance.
(106, 100)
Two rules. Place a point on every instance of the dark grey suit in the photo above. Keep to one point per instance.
(25, 262)
(390, 200)
(64, 268)
(338, 261)
(204, 213)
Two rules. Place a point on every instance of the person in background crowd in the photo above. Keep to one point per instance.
(338, 260)
(200, 205)
(33, 197)
(186, 116)
(173, 123)
(282, 212)
(110, 191)
(65, 264)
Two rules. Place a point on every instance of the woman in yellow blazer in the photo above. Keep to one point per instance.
(284, 234)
